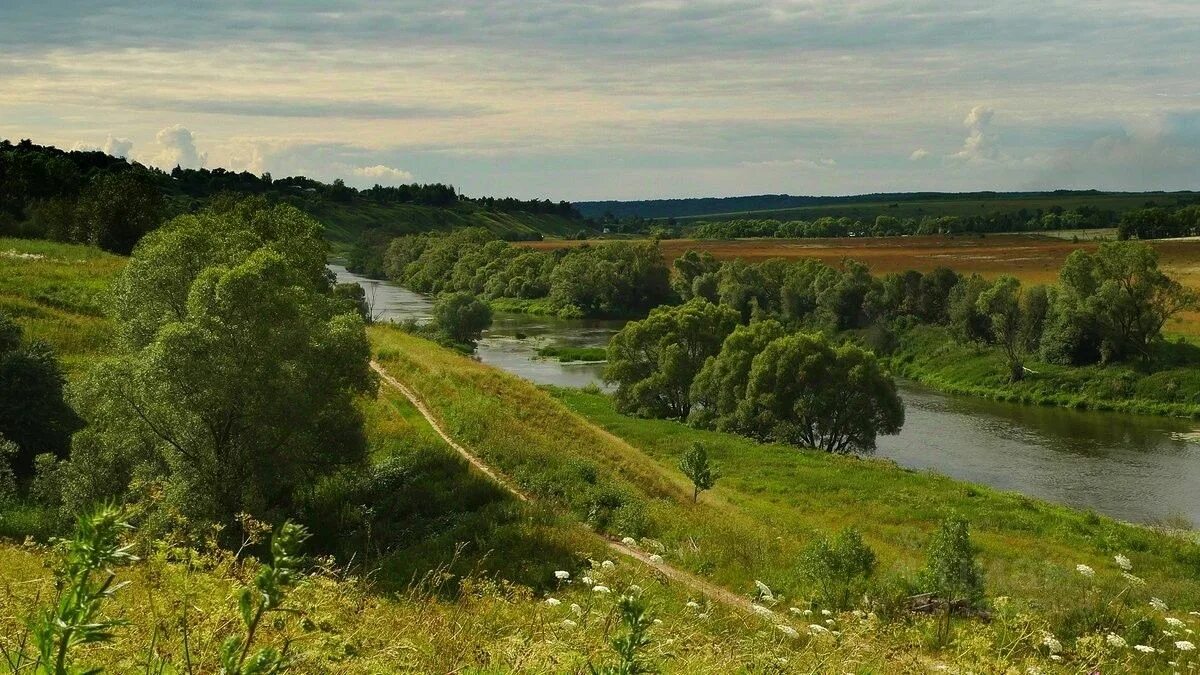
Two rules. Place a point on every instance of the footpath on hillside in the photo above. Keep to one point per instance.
(693, 582)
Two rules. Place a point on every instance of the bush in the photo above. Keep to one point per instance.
(462, 317)
(951, 572)
(838, 568)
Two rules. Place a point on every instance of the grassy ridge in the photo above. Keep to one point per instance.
(928, 355)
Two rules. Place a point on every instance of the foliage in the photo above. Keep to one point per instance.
(33, 413)
(238, 369)
(87, 582)
(629, 647)
(266, 596)
(461, 317)
(654, 361)
(695, 465)
(115, 211)
(1002, 304)
(951, 572)
(8, 480)
(838, 568)
(720, 386)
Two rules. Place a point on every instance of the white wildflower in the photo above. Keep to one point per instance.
(1184, 646)
(796, 610)
(761, 611)
(1123, 562)
(1145, 649)
(1085, 570)
(656, 559)
(808, 612)
(692, 604)
(1133, 579)
(1055, 657)
(576, 609)
(608, 565)
(587, 581)
(1115, 640)
(816, 629)
(702, 616)
(835, 633)
(1158, 604)
(658, 622)
(1194, 613)
(764, 590)
(562, 575)
(829, 622)
(1051, 643)
(553, 602)
(567, 623)
(1173, 622)
(788, 630)
(601, 589)
(634, 588)
(826, 612)
(629, 541)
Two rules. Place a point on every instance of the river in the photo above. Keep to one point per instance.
(1135, 468)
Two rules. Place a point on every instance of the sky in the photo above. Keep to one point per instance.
(622, 99)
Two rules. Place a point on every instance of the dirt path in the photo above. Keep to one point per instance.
(693, 582)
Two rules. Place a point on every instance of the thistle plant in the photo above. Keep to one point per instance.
(265, 596)
(632, 643)
(85, 580)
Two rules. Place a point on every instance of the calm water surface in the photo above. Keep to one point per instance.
(1135, 468)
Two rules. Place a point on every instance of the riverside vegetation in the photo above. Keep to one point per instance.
(232, 391)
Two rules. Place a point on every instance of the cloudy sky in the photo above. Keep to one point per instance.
(622, 99)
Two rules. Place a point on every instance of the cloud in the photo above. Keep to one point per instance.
(1159, 153)
(117, 147)
(822, 163)
(384, 173)
(918, 154)
(982, 144)
(178, 149)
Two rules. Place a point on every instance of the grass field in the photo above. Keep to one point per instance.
(1030, 258)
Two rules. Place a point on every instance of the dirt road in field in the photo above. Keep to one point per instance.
(679, 576)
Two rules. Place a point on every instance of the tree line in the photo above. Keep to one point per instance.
(611, 279)
(93, 198)
(753, 348)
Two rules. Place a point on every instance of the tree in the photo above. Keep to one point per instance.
(33, 412)
(1130, 299)
(720, 386)
(839, 568)
(653, 361)
(239, 397)
(951, 572)
(966, 320)
(461, 317)
(1001, 303)
(804, 392)
(694, 464)
(116, 210)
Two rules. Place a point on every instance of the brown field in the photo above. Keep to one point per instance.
(1031, 258)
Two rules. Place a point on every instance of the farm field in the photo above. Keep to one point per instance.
(1030, 258)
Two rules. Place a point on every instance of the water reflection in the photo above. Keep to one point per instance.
(1130, 467)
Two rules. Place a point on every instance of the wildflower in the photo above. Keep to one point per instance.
(1133, 579)
(808, 612)
(764, 590)
(1174, 623)
(1194, 613)
(634, 588)
(826, 612)
(829, 622)
(562, 575)
(629, 541)
(578, 611)
(795, 610)
(601, 589)
(553, 602)
(658, 622)
(1055, 657)
(587, 581)
(1052, 643)
(567, 623)
(1115, 640)
(1184, 646)
(1123, 562)
(692, 604)
(1145, 649)
(702, 616)
(788, 630)
(816, 629)
(1158, 604)
(608, 565)
(762, 611)
(1085, 570)
(656, 559)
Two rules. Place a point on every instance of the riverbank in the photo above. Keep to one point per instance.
(931, 356)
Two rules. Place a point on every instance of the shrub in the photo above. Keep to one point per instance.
(838, 568)
(951, 572)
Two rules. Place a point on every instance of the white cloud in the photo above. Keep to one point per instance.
(178, 148)
(918, 154)
(982, 144)
(117, 147)
(800, 162)
(384, 173)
